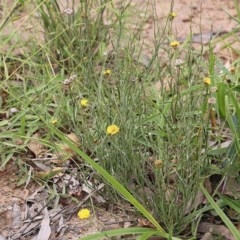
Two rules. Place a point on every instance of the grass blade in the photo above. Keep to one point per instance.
(220, 213)
(232, 203)
(121, 232)
(111, 180)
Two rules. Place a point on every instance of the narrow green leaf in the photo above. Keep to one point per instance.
(120, 232)
(221, 102)
(112, 181)
(232, 203)
(4, 123)
(220, 213)
(145, 236)
(236, 88)
(235, 103)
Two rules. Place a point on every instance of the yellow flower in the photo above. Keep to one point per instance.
(174, 44)
(83, 214)
(112, 129)
(53, 121)
(207, 81)
(84, 102)
(172, 15)
(158, 163)
(107, 72)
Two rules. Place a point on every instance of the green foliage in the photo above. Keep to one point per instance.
(115, 184)
(234, 204)
(221, 214)
(163, 149)
(73, 35)
(144, 233)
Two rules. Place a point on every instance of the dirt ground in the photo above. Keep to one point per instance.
(199, 16)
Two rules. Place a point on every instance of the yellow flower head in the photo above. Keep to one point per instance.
(158, 163)
(174, 44)
(172, 15)
(53, 121)
(107, 72)
(83, 214)
(84, 102)
(112, 129)
(207, 81)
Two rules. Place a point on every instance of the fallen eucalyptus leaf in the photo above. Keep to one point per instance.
(45, 229)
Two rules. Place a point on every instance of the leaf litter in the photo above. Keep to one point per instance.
(45, 214)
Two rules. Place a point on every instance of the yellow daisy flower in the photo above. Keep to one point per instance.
(172, 15)
(84, 102)
(174, 44)
(158, 163)
(113, 129)
(207, 81)
(107, 72)
(54, 121)
(83, 214)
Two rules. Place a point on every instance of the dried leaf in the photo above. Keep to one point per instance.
(64, 152)
(127, 224)
(42, 166)
(16, 216)
(35, 146)
(74, 138)
(26, 228)
(220, 230)
(194, 203)
(231, 187)
(207, 236)
(59, 159)
(45, 229)
(61, 229)
(142, 222)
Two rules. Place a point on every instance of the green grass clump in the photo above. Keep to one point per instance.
(89, 74)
